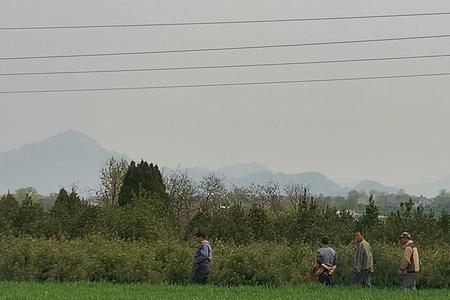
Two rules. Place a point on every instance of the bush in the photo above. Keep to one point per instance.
(96, 259)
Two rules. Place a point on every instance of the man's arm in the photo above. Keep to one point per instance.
(369, 258)
(318, 258)
(319, 262)
(204, 250)
(335, 263)
(364, 258)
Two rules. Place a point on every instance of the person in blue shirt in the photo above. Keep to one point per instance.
(326, 261)
(202, 259)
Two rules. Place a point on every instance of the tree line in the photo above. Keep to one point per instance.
(136, 202)
(141, 225)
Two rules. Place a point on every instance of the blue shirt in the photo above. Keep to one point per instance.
(327, 255)
(203, 255)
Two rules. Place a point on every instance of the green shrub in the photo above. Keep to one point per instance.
(263, 263)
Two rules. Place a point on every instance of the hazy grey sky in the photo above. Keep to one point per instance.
(394, 131)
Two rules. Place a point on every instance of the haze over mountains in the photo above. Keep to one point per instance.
(75, 158)
(59, 161)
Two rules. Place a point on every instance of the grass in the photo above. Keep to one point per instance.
(60, 291)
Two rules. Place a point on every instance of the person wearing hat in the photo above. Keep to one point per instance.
(410, 262)
(202, 259)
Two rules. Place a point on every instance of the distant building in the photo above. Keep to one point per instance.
(351, 212)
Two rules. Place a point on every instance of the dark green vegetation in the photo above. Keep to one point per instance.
(140, 291)
(141, 228)
(257, 263)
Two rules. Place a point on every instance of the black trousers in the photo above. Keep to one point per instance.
(201, 273)
(362, 278)
(325, 278)
(409, 281)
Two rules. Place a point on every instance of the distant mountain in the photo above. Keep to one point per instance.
(195, 174)
(233, 171)
(318, 183)
(252, 173)
(75, 158)
(62, 160)
(242, 170)
(370, 185)
(428, 189)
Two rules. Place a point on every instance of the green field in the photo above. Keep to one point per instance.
(142, 291)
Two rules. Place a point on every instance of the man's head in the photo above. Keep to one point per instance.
(404, 238)
(325, 240)
(359, 236)
(200, 236)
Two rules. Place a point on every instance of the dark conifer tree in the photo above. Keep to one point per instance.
(9, 208)
(142, 180)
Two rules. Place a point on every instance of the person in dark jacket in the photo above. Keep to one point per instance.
(326, 261)
(202, 260)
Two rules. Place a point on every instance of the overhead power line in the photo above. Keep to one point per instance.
(224, 84)
(229, 66)
(228, 22)
(227, 48)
